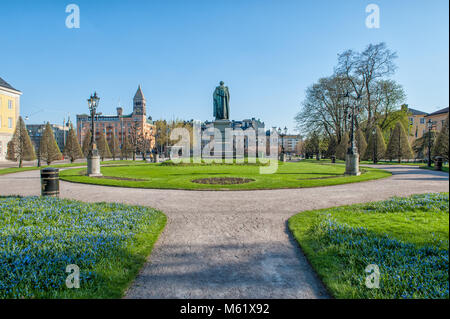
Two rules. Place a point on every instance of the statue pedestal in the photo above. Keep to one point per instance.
(220, 143)
(352, 164)
(93, 164)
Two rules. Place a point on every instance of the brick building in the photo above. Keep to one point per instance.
(121, 124)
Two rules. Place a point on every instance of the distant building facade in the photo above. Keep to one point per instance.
(243, 125)
(121, 125)
(417, 125)
(288, 142)
(418, 122)
(438, 118)
(9, 114)
(60, 132)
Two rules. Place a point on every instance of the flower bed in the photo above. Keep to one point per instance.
(39, 237)
(406, 238)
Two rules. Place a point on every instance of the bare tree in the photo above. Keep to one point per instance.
(325, 108)
(363, 69)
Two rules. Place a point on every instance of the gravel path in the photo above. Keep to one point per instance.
(233, 244)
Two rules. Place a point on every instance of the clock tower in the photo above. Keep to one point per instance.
(139, 103)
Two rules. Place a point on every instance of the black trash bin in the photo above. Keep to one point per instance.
(333, 159)
(50, 182)
(438, 163)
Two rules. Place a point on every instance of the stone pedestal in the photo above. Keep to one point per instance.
(221, 143)
(283, 157)
(93, 164)
(352, 164)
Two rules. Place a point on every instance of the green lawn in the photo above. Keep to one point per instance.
(408, 238)
(10, 170)
(40, 236)
(289, 175)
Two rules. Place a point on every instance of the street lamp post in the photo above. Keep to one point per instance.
(430, 127)
(121, 138)
(167, 142)
(282, 133)
(93, 159)
(352, 156)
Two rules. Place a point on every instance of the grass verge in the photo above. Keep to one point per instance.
(40, 236)
(407, 238)
(11, 170)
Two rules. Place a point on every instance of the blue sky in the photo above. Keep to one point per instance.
(267, 52)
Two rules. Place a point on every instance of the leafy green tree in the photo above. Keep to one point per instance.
(48, 148)
(102, 146)
(316, 145)
(376, 146)
(331, 148)
(72, 148)
(162, 134)
(361, 143)
(441, 145)
(20, 148)
(398, 146)
(341, 149)
(86, 143)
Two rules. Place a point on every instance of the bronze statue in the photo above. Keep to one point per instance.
(221, 102)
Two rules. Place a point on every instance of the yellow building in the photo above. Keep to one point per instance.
(9, 114)
(417, 125)
(438, 118)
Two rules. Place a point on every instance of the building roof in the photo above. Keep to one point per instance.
(139, 94)
(442, 111)
(6, 85)
(416, 112)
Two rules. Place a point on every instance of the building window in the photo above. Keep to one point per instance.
(9, 122)
(422, 120)
(10, 104)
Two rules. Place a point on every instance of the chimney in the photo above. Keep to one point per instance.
(119, 111)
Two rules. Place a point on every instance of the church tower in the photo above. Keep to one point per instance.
(139, 103)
